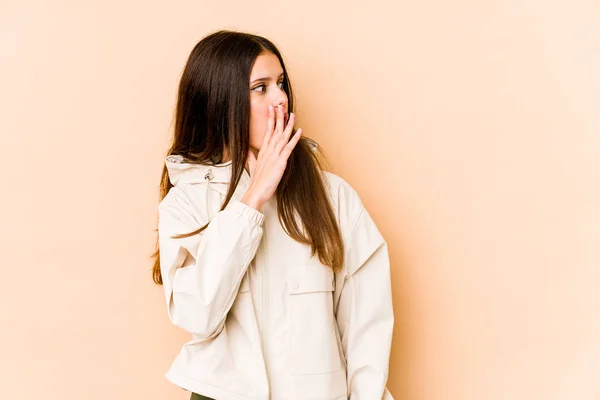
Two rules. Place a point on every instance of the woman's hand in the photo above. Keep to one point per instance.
(267, 169)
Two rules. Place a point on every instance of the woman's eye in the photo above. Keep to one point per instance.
(261, 88)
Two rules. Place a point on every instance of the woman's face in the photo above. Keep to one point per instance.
(266, 88)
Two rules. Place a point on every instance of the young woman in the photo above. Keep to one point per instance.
(271, 263)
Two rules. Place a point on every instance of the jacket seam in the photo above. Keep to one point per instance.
(354, 224)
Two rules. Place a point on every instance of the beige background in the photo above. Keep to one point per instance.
(470, 129)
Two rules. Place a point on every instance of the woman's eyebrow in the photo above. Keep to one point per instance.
(265, 78)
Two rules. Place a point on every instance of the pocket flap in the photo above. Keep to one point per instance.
(310, 277)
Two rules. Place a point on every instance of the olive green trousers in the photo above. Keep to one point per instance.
(196, 396)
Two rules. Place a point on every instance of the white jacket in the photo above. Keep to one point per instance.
(270, 322)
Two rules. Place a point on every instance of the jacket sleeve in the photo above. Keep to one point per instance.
(364, 310)
(202, 273)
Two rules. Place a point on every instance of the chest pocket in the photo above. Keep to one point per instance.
(313, 343)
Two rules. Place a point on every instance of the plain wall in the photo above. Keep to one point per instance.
(469, 128)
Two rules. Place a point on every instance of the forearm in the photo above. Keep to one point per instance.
(202, 283)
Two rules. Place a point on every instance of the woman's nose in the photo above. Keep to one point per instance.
(280, 98)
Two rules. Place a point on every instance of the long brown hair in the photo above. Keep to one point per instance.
(213, 114)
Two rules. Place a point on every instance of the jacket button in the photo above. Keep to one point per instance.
(295, 286)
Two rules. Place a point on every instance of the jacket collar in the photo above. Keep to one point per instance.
(182, 171)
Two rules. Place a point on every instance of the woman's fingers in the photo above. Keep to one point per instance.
(290, 126)
(287, 150)
(267, 169)
(284, 138)
(277, 136)
(279, 126)
(270, 127)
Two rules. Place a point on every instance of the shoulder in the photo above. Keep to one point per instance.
(183, 204)
(359, 232)
(340, 188)
(177, 198)
(347, 203)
